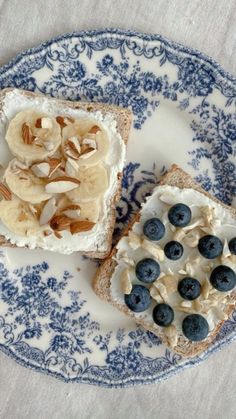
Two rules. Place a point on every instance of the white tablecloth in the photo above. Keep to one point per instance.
(206, 391)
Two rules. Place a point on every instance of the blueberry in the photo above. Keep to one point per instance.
(154, 229)
(163, 314)
(195, 327)
(179, 215)
(189, 288)
(223, 278)
(232, 245)
(139, 299)
(147, 270)
(173, 250)
(210, 246)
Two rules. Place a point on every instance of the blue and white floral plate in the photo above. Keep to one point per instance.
(184, 112)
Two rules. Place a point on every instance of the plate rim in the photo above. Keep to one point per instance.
(226, 75)
(127, 33)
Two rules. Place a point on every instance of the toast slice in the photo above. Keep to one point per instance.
(176, 177)
(15, 100)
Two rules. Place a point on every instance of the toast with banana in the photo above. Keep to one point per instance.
(173, 271)
(61, 169)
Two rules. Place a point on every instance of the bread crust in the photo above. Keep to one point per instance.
(123, 118)
(102, 280)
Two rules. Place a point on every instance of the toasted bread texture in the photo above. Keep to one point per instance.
(102, 281)
(123, 118)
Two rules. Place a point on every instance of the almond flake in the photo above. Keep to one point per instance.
(206, 287)
(33, 209)
(38, 123)
(220, 313)
(192, 238)
(179, 234)
(71, 167)
(54, 165)
(48, 211)
(72, 147)
(183, 309)
(171, 335)
(72, 211)
(134, 240)
(173, 228)
(61, 184)
(16, 164)
(88, 153)
(27, 135)
(198, 222)
(57, 235)
(46, 123)
(5, 192)
(186, 304)
(125, 282)
(162, 291)
(80, 226)
(182, 272)
(154, 292)
(91, 143)
(170, 282)
(226, 251)
(41, 170)
(60, 222)
(64, 121)
(153, 249)
(94, 130)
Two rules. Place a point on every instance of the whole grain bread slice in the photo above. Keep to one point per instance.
(102, 281)
(123, 118)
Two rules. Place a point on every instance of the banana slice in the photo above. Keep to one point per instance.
(18, 218)
(33, 136)
(85, 142)
(94, 182)
(24, 184)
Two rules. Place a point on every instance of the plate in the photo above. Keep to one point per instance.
(184, 112)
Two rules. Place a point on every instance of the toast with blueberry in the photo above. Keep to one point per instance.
(173, 270)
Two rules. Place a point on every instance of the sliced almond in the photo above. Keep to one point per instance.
(125, 282)
(71, 167)
(134, 240)
(89, 142)
(80, 226)
(196, 223)
(46, 123)
(61, 184)
(154, 292)
(170, 282)
(206, 287)
(171, 334)
(94, 130)
(5, 192)
(86, 153)
(16, 164)
(27, 135)
(153, 249)
(192, 238)
(64, 121)
(179, 234)
(41, 170)
(38, 123)
(60, 222)
(72, 211)
(54, 165)
(48, 211)
(57, 235)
